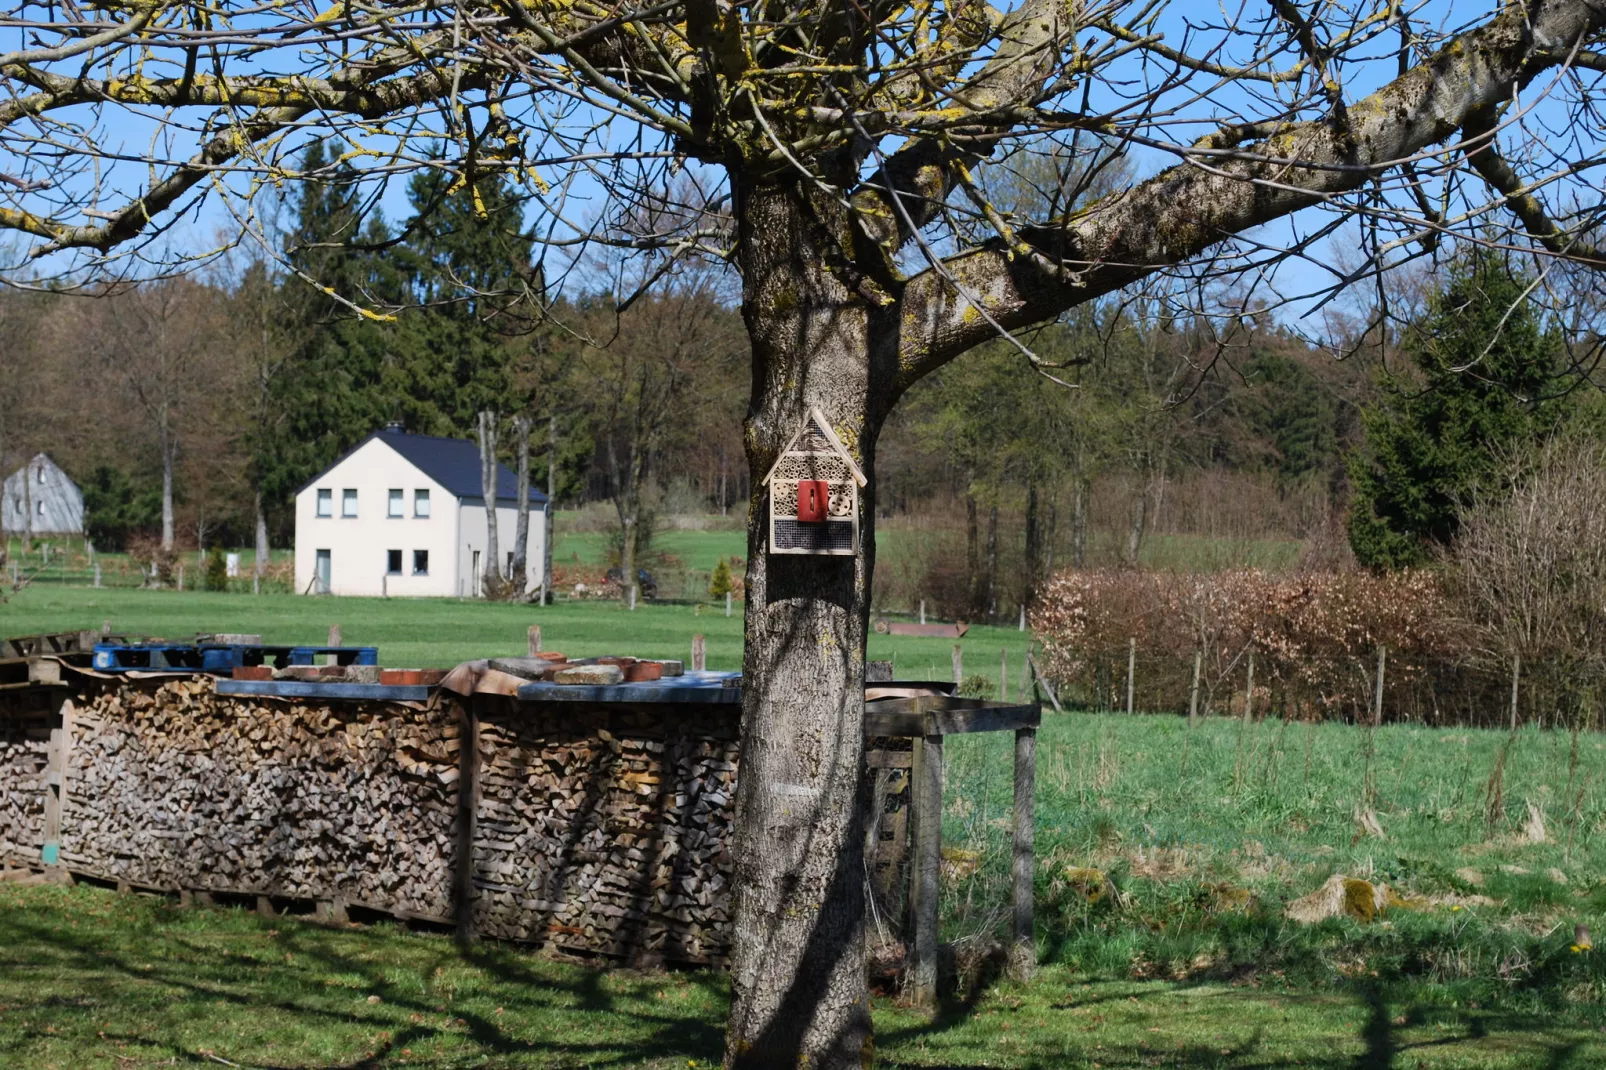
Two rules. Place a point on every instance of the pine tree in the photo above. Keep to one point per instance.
(1485, 371)
(720, 585)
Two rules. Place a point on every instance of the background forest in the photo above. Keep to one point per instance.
(192, 409)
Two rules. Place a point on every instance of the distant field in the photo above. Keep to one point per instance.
(433, 632)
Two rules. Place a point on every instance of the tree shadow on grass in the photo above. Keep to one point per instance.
(1385, 1043)
(315, 985)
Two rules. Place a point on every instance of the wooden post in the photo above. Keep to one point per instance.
(97, 573)
(1131, 669)
(1249, 690)
(632, 598)
(1516, 676)
(959, 664)
(699, 653)
(1037, 675)
(1003, 675)
(1023, 951)
(56, 785)
(922, 611)
(1023, 617)
(105, 627)
(181, 575)
(468, 800)
(534, 636)
(1193, 693)
(926, 799)
(1377, 694)
(727, 603)
(334, 640)
(1025, 673)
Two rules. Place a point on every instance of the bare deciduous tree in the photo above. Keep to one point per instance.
(843, 139)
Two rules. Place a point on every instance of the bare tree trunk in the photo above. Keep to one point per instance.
(519, 574)
(992, 562)
(488, 472)
(27, 508)
(1079, 523)
(1134, 535)
(973, 554)
(797, 970)
(1034, 549)
(263, 550)
(1048, 542)
(169, 449)
(551, 504)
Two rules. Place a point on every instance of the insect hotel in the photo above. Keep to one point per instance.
(814, 494)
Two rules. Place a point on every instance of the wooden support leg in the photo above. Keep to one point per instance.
(265, 907)
(202, 899)
(925, 793)
(467, 813)
(1023, 949)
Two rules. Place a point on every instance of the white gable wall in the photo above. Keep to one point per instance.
(357, 545)
(41, 499)
(471, 529)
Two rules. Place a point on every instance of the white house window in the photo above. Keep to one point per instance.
(326, 502)
(393, 561)
(420, 503)
(421, 562)
(394, 503)
(348, 502)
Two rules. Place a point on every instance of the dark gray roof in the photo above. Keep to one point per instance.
(454, 463)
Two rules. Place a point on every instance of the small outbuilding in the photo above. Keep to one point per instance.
(41, 499)
(405, 515)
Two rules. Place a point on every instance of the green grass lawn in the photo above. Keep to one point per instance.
(1185, 958)
(92, 979)
(440, 632)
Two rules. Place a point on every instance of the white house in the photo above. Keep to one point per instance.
(404, 514)
(40, 499)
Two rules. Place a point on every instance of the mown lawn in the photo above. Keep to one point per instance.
(1184, 958)
(440, 632)
(91, 979)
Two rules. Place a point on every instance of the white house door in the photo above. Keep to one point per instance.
(321, 572)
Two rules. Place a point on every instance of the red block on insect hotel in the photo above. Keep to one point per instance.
(813, 500)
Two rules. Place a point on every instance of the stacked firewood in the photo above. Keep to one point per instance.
(607, 831)
(24, 758)
(173, 786)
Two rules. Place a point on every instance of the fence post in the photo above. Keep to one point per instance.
(1377, 698)
(699, 653)
(922, 611)
(1131, 669)
(1003, 675)
(1193, 694)
(1516, 675)
(632, 598)
(1023, 951)
(334, 640)
(925, 797)
(181, 576)
(534, 638)
(959, 664)
(1249, 690)
(1022, 617)
(727, 603)
(97, 573)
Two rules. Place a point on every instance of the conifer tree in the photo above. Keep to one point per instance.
(1484, 374)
